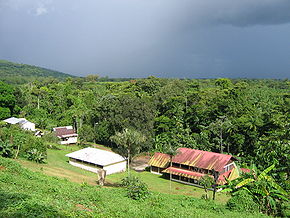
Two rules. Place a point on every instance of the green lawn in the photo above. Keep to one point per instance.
(57, 165)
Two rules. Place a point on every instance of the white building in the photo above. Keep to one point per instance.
(22, 122)
(93, 159)
(66, 134)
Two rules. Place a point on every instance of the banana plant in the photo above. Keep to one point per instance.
(262, 187)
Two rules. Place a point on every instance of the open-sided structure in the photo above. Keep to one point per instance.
(93, 159)
(190, 165)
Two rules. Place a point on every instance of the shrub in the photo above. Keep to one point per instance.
(242, 201)
(35, 155)
(50, 137)
(136, 189)
(6, 149)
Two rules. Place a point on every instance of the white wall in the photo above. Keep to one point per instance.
(71, 140)
(28, 126)
(85, 167)
(116, 168)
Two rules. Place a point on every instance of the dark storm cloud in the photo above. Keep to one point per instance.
(137, 38)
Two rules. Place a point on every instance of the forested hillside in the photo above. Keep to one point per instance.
(15, 73)
(249, 119)
(246, 118)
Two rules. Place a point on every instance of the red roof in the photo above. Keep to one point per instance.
(202, 159)
(245, 170)
(196, 175)
(159, 160)
(63, 131)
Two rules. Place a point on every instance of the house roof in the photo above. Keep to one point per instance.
(64, 131)
(14, 120)
(192, 157)
(96, 156)
(197, 176)
(159, 160)
(202, 159)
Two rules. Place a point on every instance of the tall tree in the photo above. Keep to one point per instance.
(129, 143)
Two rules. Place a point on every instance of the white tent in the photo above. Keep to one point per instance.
(93, 159)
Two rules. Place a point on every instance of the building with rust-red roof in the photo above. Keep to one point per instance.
(190, 165)
(66, 134)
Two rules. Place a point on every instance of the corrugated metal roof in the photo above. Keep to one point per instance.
(159, 160)
(184, 173)
(198, 176)
(201, 159)
(14, 120)
(96, 156)
(64, 131)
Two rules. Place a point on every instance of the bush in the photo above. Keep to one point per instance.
(6, 149)
(35, 155)
(242, 201)
(50, 137)
(136, 189)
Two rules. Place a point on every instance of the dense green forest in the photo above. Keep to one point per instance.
(15, 73)
(249, 119)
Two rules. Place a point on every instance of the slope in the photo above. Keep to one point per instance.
(15, 73)
(24, 193)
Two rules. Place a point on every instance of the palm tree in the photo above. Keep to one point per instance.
(129, 142)
(171, 152)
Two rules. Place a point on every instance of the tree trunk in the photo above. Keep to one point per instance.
(17, 152)
(38, 102)
(221, 141)
(170, 174)
(128, 162)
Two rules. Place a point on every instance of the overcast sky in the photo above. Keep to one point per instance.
(138, 38)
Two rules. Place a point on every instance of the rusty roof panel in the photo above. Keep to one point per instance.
(196, 175)
(201, 159)
(159, 160)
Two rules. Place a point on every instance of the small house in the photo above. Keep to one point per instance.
(66, 134)
(93, 159)
(190, 165)
(22, 122)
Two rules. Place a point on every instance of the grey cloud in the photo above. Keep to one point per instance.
(137, 38)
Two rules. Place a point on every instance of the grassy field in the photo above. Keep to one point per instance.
(57, 165)
(24, 193)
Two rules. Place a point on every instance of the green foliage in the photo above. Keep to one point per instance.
(35, 155)
(7, 100)
(55, 197)
(23, 143)
(136, 189)
(6, 149)
(263, 189)
(245, 118)
(242, 201)
(129, 142)
(14, 73)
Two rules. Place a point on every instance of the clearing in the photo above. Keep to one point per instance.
(57, 165)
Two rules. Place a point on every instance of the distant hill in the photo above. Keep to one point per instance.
(15, 73)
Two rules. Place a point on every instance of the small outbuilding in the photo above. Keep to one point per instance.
(66, 134)
(93, 159)
(22, 122)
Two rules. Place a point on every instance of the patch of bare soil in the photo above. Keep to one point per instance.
(82, 207)
(2, 168)
(140, 163)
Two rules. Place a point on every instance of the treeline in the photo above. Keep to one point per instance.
(246, 118)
